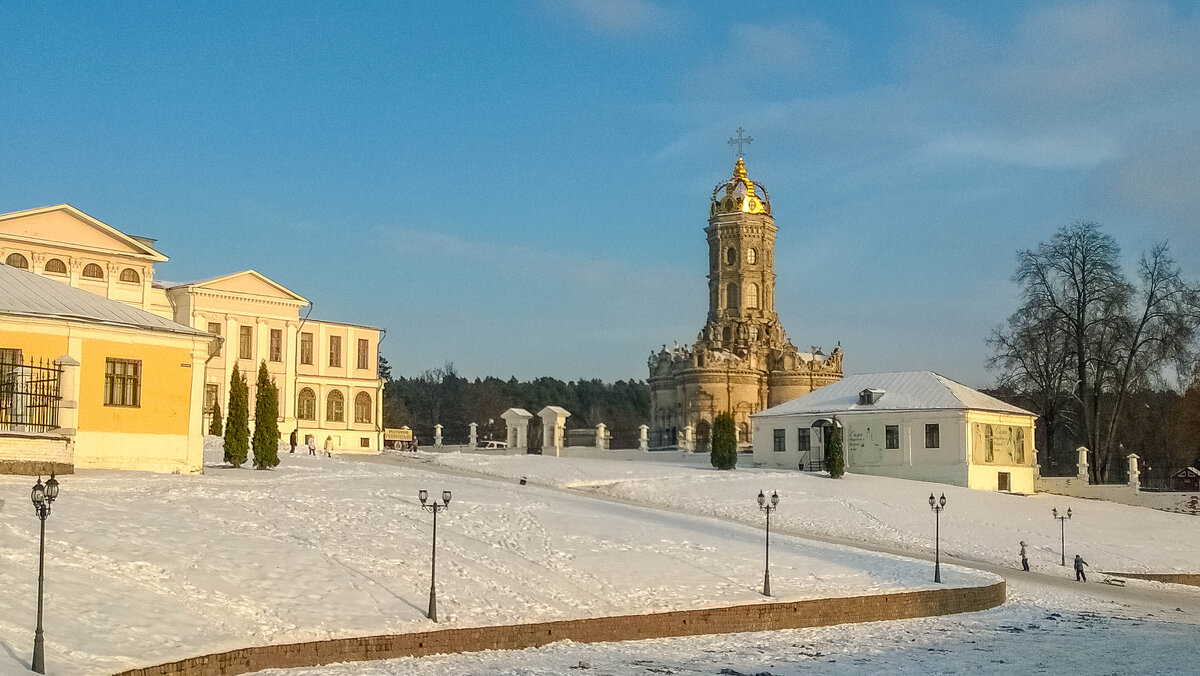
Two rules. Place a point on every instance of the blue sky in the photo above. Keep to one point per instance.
(521, 187)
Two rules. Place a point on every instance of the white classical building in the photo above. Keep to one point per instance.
(909, 425)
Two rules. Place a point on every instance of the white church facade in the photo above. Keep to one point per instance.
(909, 425)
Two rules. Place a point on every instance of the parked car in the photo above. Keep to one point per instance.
(490, 445)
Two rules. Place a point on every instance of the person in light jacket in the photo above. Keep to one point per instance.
(1080, 576)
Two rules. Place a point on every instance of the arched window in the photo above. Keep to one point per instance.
(93, 271)
(335, 407)
(16, 260)
(731, 297)
(130, 275)
(56, 266)
(306, 405)
(730, 256)
(751, 256)
(362, 408)
(752, 295)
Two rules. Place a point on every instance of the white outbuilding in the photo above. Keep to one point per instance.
(909, 425)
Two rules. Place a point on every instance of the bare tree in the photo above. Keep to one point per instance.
(1084, 332)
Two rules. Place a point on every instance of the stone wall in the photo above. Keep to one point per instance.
(727, 620)
(36, 454)
(1174, 578)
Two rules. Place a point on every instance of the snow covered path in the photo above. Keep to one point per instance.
(146, 568)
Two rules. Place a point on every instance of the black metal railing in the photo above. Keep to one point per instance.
(29, 395)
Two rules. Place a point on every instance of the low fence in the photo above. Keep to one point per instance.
(727, 620)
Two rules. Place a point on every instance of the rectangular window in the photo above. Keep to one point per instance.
(335, 351)
(805, 440)
(891, 436)
(215, 329)
(364, 442)
(210, 396)
(780, 440)
(122, 382)
(276, 345)
(306, 348)
(933, 436)
(246, 342)
(364, 353)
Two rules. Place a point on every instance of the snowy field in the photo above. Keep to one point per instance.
(146, 568)
(976, 526)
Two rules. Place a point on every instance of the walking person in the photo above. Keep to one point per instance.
(1080, 576)
(293, 439)
(1024, 559)
(312, 445)
(329, 447)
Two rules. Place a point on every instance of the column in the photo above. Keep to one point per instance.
(291, 352)
(68, 389)
(474, 440)
(1135, 480)
(1082, 466)
(601, 434)
(437, 436)
(643, 438)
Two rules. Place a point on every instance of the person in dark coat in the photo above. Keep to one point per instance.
(1024, 559)
(293, 439)
(1080, 576)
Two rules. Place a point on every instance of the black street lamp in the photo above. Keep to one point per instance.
(435, 508)
(937, 505)
(1062, 521)
(768, 508)
(42, 496)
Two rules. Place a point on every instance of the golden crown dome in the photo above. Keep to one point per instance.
(740, 194)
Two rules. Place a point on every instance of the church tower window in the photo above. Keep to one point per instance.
(731, 297)
(751, 256)
(730, 256)
(751, 295)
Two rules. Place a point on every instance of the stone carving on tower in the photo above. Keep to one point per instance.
(742, 361)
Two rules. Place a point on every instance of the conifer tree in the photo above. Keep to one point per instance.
(724, 442)
(237, 423)
(214, 427)
(266, 421)
(835, 457)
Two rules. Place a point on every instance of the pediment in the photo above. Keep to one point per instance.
(64, 225)
(251, 283)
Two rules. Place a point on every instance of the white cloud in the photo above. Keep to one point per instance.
(617, 18)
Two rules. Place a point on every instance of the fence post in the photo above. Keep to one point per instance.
(600, 433)
(1082, 466)
(68, 389)
(437, 436)
(643, 437)
(1135, 482)
(474, 435)
(689, 438)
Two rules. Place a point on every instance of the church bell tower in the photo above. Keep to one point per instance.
(741, 265)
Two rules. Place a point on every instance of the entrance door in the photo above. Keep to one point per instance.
(1003, 480)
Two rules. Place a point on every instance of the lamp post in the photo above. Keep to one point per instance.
(42, 496)
(435, 508)
(937, 505)
(1062, 521)
(768, 508)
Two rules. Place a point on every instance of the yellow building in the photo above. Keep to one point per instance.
(90, 382)
(326, 372)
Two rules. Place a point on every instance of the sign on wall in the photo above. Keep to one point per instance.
(998, 444)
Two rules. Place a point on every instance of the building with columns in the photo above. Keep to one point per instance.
(742, 361)
(326, 372)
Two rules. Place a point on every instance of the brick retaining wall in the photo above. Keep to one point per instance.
(1192, 579)
(727, 620)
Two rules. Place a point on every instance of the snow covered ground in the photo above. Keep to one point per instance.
(1040, 631)
(977, 525)
(145, 568)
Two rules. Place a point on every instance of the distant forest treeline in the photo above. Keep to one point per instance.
(442, 397)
